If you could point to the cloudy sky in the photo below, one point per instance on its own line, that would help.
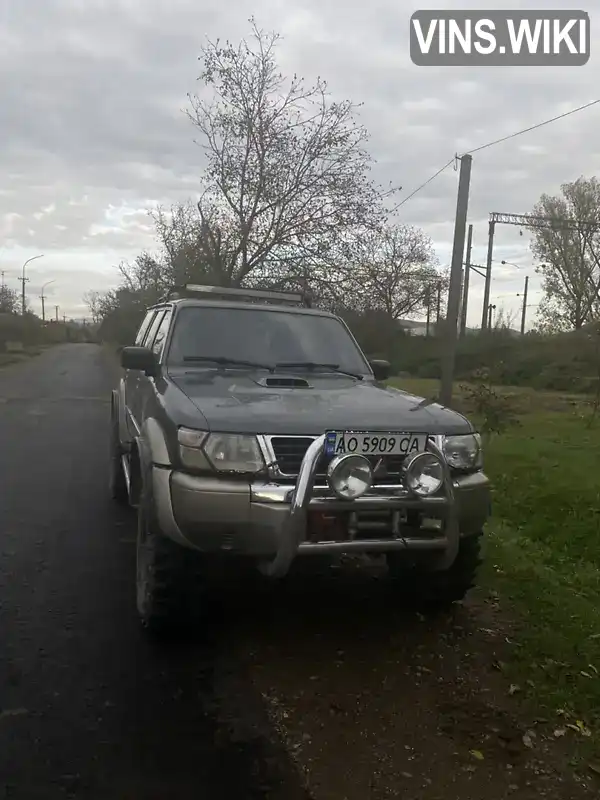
(93, 131)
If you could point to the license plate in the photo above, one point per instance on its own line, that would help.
(374, 444)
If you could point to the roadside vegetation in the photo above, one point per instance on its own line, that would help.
(24, 336)
(543, 549)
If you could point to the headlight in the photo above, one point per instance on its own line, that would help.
(424, 474)
(349, 476)
(464, 451)
(224, 452)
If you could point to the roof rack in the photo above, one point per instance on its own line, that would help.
(195, 289)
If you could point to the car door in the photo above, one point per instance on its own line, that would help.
(147, 385)
(136, 379)
(131, 376)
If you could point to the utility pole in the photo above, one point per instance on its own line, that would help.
(439, 307)
(488, 273)
(524, 312)
(465, 297)
(458, 250)
(24, 280)
(428, 323)
(491, 308)
(56, 310)
(43, 299)
(64, 319)
(3, 273)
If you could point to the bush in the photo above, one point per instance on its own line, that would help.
(564, 362)
(16, 328)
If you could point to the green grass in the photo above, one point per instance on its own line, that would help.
(543, 550)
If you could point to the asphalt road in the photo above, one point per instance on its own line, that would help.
(89, 708)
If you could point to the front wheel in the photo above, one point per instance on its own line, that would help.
(169, 582)
(432, 590)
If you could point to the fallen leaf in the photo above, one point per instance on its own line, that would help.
(582, 728)
(579, 727)
(477, 754)
(514, 688)
(528, 739)
(585, 674)
(559, 732)
(595, 768)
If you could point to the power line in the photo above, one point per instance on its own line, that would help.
(496, 141)
(534, 127)
(428, 181)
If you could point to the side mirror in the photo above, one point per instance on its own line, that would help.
(139, 358)
(381, 369)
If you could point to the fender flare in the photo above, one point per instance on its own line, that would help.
(149, 449)
(153, 436)
(147, 469)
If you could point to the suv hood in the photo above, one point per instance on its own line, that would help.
(236, 403)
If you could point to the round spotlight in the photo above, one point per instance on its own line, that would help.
(424, 474)
(349, 476)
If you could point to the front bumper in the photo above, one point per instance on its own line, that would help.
(269, 521)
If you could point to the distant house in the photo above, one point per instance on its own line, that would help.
(415, 328)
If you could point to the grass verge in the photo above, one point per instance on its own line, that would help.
(543, 551)
(6, 359)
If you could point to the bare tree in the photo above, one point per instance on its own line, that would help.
(287, 170)
(570, 252)
(505, 320)
(393, 269)
(146, 277)
(183, 238)
(94, 302)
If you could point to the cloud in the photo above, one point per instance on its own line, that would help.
(93, 129)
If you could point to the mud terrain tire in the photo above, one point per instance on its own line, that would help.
(437, 591)
(169, 578)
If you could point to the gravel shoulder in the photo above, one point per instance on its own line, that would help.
(378, 702)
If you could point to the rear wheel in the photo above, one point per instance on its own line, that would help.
(117, 482)
(437, 591)
(169, 580)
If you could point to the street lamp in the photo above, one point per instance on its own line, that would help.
(24, 280)
(43, 298)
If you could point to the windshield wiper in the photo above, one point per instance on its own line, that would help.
(315, 365)
(223, 361)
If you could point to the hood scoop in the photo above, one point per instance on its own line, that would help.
(283, 382)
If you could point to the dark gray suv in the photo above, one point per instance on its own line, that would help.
(250, 426)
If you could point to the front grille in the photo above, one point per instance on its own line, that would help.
(289, 452)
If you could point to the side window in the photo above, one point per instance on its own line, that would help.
(161, 333)
(154, 327)
(144, 327)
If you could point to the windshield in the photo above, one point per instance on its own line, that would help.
(268, 337)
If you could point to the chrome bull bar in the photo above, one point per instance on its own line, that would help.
(296, 524)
